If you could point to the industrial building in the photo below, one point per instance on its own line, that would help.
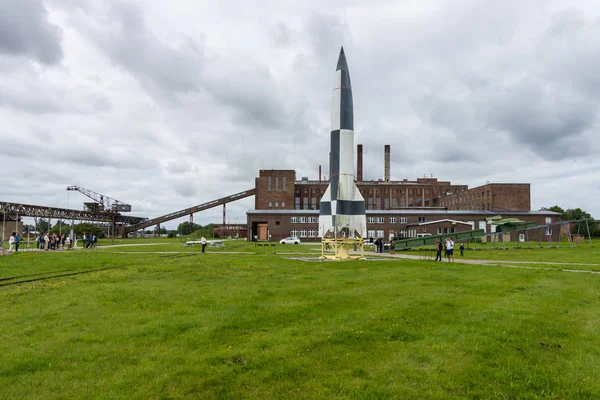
(286, 206)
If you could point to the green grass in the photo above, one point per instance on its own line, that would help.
(563, 254)
(188, 325)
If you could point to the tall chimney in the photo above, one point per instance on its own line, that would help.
(386, 158)
(359, 163)
(319, 174)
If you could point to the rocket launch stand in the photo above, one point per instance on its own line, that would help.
(341, 248)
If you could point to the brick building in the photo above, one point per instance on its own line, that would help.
(407, 223)
(230, 230)
(491, 196)
(285, 206)
(279, 190)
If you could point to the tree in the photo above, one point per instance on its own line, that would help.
(577, 214)
(554, 208)
(85, 228)
(184, 228)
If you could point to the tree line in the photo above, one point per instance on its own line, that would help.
(579, 215)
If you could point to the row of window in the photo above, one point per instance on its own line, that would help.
(304, 220)
(370, 220)
(391, 220)
(302, 233)
(269, 183)
(410, 233)
(276, 204)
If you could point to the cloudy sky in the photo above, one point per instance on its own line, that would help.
(168, 104)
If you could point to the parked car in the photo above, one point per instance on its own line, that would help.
(290, 240)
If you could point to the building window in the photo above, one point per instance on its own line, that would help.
(421, 219)
(269, 184)
(378, 203)
(371, 233)
(276, 222)
(402, 220)
(312, 234)
(277, 184)
(439, 231)
(297, 203)
(370, 203)
(548, 220)
(302, 220)
(314, 203)
(392, 220)
(380, 220)
(302, 233)
(294, 233)
(270, 204)
(394, 202)
(276, 204)
(305, 203)
(294, 220)
(283, 186)
(371, 220)
(283, 204)
(380, 233)
(386, 204)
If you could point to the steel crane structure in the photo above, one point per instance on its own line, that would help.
(101, 202)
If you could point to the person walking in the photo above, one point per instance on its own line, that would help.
(203, 242)
(438, 250)
(462, 249)
(450, 249)
(11, 242)
(17, 242)
(393, 245)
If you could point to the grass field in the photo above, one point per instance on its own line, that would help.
(142, 325)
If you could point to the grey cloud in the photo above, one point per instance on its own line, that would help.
(39, 98)
(162, 69)
(326, 32)
(175, 167)
(184, 188)
(541, 115)
(26, 31)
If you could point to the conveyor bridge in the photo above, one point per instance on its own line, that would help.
(187, 211)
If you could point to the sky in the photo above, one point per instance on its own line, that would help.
(168, 104)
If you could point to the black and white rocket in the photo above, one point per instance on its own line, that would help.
(342, 211)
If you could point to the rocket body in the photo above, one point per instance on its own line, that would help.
(342, 210)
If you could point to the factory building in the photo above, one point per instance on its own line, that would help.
(286, 206)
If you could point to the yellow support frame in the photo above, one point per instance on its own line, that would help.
(341, 247)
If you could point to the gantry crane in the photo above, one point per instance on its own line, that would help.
(101, 202)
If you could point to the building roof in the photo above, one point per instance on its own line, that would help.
(437, 222)
(420, 211)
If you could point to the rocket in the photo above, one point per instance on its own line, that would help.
(342, 210)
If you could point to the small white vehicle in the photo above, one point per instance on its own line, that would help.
(290, 240)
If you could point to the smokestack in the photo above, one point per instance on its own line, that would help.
(386, 159)
(319, 174)
(359, 163)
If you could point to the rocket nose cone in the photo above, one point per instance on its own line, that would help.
(342, 64)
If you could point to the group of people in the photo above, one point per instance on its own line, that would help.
(52, 241)
(380, 244)
(14, 241)
(448, 248)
